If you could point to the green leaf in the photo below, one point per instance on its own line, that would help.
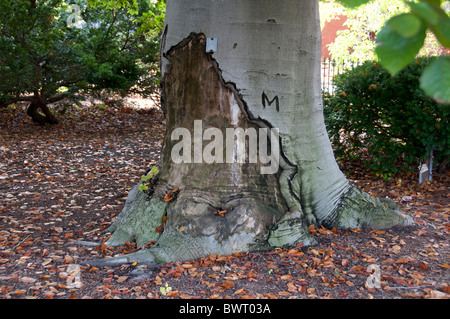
(435, 80)
(425, 11)
(435, 2)
(437, 19)
(442, 31)
(407, 25)
(150, 174)
(154, 170)
(395, 50)
(353, 3)
(143, 187)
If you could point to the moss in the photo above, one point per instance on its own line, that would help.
(138, 220)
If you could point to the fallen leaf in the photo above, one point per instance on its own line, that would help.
(122, 279)
(173, 294)
(412, 295)
(436, 294)
(402, 260)
(239, 291)
(220, 213)
(168, 197)
(291, 287)
(228, 284)
(423, 266)
(27, 280)
(284, 293)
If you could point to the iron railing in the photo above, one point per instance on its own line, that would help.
(330, 69)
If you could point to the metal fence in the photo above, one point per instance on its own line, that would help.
(330, 69)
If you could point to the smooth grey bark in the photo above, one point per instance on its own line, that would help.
(265, 73)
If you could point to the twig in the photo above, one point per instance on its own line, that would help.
(414, 287)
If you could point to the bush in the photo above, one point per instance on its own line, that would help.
(43, 60)
(389, 118)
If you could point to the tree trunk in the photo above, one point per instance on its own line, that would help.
(46, 117)
(264, 75)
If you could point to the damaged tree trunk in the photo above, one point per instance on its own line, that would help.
(261, 86)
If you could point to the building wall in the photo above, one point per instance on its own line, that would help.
(329, 33)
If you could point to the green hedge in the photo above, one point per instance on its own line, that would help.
(388, 118)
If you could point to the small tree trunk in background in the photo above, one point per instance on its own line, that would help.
(265, 74)
(36, 105)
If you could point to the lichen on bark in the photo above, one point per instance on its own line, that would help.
(138, 220)
(357, 209)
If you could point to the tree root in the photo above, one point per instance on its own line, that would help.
(138, 220)
(290, 231)
(356, 210)
(145, 257)
(360, 210)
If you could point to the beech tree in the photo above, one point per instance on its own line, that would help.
(235, 68)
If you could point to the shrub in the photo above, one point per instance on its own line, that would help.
(43, 60)
(386, 117)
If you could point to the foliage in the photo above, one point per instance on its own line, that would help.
(144, 178)
(356, 42)
(388, 117)
(403, 36)
(44, 57)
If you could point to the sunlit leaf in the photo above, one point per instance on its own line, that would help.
(406, 25)
(435, 80)
(394, 49)
(353, 3)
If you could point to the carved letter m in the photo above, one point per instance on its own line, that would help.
(265, 101)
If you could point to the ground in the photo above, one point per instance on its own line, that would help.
(60, 186)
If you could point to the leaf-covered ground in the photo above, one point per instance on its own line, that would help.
(62, 185)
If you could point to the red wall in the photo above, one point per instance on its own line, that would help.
(329, 33)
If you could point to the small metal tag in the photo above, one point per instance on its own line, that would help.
(211, 45)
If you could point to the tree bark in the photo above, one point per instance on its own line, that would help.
(37, 104)
(265, 74)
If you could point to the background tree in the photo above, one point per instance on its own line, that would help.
(44, 58)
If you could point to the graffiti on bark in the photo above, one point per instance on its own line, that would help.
(267, 102)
